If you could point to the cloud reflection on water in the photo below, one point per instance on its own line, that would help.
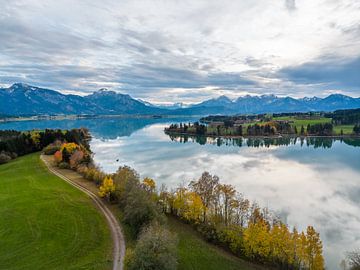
(304, 185)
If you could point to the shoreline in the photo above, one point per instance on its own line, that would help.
(280, 136)
(77, 117)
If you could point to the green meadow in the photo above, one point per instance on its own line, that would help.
(46, 223)
(194, 253)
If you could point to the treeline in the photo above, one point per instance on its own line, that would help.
(345, 117)
(223, 216)
(300, 114)
(15, 143)
(270, 129)
(267, 129)
(225, 129)
(357, 129)
(234, 118)
(339, 117)
(321, 129)
(191, 128)
(217, 211)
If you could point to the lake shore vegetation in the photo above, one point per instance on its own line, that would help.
(217, 211)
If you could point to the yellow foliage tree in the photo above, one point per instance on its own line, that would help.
(149, 184)
(70, 147)
(194, 207)
(179, 202)
(313, 250)
(282, 249)
(35, 136)
(107, 187)
(257, 240)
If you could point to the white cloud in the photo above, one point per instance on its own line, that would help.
(151, 47)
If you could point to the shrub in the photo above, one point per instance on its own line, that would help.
(208, 231)
(4, 158)
(129, 257)
(98, 176)
(12, 155)
(64, 165)
(52, 148)
(76, 158)
(82, 169)
(155, 249)
(232, 238)
(58, 157)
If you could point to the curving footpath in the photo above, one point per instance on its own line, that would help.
(117, 235)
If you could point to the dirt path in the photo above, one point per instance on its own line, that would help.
(117, 235)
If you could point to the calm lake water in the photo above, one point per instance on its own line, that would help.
(311, 182)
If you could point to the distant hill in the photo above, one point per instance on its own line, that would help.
(274, 104)
(22, 99)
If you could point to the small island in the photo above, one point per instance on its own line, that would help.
(342, 123)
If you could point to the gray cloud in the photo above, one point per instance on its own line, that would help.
(336, 73)
(178, 51)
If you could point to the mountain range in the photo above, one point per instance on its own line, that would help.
(22, 99)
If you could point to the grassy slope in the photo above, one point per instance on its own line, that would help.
(47, 224)
(196, 253)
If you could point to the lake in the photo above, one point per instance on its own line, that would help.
(306, 182)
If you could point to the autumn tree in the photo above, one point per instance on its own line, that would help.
(180, 200)
(257, 241)
(205, 188)
(107, 188)
(282, 249)
(148, 185)
(313, 250)
(76, 158)
(58, 157)
(194, 207)
(228, 193)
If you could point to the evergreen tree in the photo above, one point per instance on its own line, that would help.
(302, 131)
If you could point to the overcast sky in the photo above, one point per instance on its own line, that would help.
(170, 51)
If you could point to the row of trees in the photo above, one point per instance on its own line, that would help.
(225, 217)
(15, 143)
(221, 214)
(345, 117)
(270, 128)
(320, 129)
(227, 128)
(356, 129)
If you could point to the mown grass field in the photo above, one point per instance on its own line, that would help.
(196, 254)
(46, 223)
(347, 129)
